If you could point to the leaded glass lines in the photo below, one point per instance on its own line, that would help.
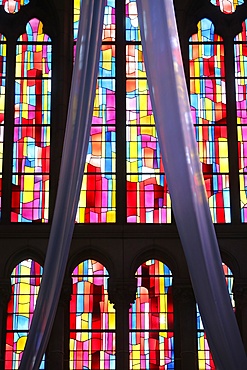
(208, 107)
(151, 319)
(92, 319)
(31, 146)
(25, 282)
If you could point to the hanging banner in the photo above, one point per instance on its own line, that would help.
(175, 129)
(76, 141)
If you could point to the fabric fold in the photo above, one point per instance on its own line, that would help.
(169, 97)
(76, 141)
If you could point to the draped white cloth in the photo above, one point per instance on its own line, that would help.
(72, 166)
(174, 125)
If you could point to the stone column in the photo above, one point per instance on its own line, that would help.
(5, 292)
(240, 298)
(185, 332)
(56, 355)
(122, 293)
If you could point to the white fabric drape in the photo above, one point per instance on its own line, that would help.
(174, 125)
(72, 166)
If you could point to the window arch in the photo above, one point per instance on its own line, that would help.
(25, 282)
(31, 144)
(205, 360)
(2, 105)
(208, 106)
(92, 319)
(151, 318)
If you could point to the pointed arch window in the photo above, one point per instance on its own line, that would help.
(12, 6)
(31, 144)
(2, 105)
(92, 319)
(240, 56)
(227, 6)
(25, 282)
(208, 106)
(205, 360)
(151, 319)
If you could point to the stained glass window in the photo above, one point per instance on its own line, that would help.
(2, 104)
(31, 147)
(25, 281)
(12, 6)
(208, 106)
(148, 199)
(97, 202)
(240, 52)
(92, 319)
(205, 360)
(227, 6)
(151, 319)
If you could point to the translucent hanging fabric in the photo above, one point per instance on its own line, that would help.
(73, 160)
(174, 125)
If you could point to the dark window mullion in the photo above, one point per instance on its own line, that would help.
(8, 131)
(232, 131)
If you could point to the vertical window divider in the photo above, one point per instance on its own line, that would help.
(120, 113)
(8, 129)
(232, 130)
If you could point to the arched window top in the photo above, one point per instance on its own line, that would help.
(205, 32)
(227, 6)
(34, 32)
(12, 6)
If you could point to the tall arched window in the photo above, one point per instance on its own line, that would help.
(92, 319)
(148, 199)
(31, 144)
(205, 360)
(240, 54)
(25, 281)
(208, 106)
(97, 203)
(2, 105)
(151, 319)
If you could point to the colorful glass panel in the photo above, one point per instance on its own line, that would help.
(12, 6)
(2, 106)
(131, 21)
(205, 360)
(92, 319)
(97, 203)
(240, 51)
(148, 199)
(208, 106)
(151, 319)
(31, 147)
(227, 6)
(25, 281)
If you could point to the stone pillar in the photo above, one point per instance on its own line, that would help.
(122, 293)
(240, 298)
(5, 292)
(56, 356)
(185, 332)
